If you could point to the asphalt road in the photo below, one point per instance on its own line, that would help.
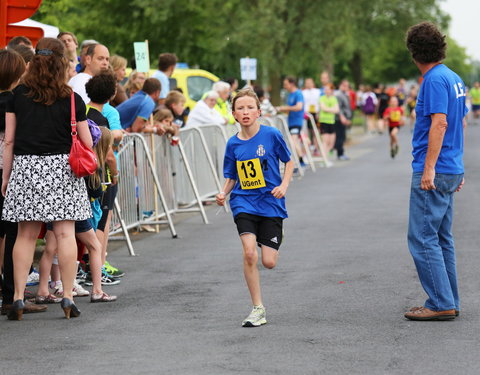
(335, 302)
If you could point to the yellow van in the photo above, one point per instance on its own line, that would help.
(193, 82)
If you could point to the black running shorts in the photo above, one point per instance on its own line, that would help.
(269, 230)
(390, 128)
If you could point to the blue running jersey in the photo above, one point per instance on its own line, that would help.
(254, 164)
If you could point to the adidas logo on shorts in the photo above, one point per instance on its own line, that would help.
(274, 240)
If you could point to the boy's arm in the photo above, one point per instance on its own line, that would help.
(227, 188)
(281, 190)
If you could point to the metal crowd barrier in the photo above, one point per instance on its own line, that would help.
(280, 123)
(321, 147)
(159, 180)
(140, 195)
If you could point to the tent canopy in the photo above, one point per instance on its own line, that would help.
(48, 30)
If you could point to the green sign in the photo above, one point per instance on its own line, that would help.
(142, 59)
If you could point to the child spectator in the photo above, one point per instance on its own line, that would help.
(164, 118)
(102, 88)
(119, 64)
(134, 83)
(175, 102)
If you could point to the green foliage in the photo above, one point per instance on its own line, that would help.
(457, 59)
(359, 39)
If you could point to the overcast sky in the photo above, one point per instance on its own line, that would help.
(465, 24)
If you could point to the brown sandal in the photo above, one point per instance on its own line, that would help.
(42, 300)
(103, 297)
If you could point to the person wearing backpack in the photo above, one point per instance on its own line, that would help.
(369, 104)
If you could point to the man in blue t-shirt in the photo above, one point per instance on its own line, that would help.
(295, 109)
(135, 112)
(166, 67)
(437, 173)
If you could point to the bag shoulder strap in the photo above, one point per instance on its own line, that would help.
(73, 119)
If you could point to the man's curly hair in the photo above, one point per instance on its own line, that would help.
(426, 43)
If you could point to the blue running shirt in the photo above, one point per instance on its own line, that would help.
(295, 118)
(442, 91)
(254, 164)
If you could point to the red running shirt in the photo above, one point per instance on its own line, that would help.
(393, 115)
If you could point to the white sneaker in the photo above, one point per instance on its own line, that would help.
(256, 318)
(57, 288)
(33, 278)
(79, 291)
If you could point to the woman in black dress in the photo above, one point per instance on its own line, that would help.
(38, 183)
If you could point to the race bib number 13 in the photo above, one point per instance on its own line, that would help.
(250, 174)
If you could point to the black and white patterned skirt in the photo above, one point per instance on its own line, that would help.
(44, 188)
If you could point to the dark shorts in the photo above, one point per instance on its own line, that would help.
(81, 226)
(475, 107)
(327, 128)
(269, 230)
(109, 196)
(295, 129)
(390, 128)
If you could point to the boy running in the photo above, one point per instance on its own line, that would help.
(252, 173)
(394, 116)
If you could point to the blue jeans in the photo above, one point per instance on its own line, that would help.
(430, 240)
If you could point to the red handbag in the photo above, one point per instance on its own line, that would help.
(82, 159)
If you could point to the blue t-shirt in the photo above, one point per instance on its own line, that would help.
(295, 118)
(264, 150)
(112, 116)
(139, 105)
(165, 88)
(442, 91)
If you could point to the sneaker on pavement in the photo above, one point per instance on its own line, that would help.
(108, 279)
(113, 271)
(88, 280)
(80, 290)
(33, 278)
(256, 318)
(81, 276)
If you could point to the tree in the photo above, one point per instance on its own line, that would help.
(362, 40)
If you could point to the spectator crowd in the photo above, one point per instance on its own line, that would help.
(41, 198)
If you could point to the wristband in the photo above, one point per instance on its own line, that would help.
(115, 176)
